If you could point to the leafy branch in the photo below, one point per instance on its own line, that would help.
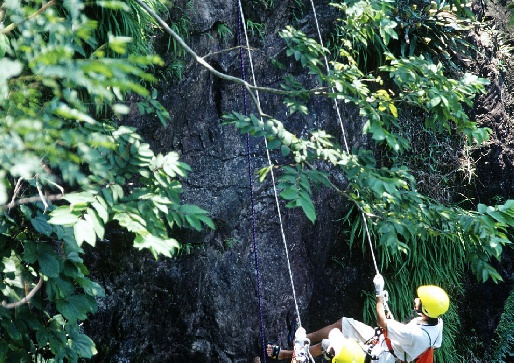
(66, 175)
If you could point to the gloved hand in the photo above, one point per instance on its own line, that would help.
(378, 281)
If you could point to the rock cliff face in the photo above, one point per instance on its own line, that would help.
(209, 305)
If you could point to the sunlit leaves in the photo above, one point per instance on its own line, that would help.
(73, 170)
(399, 215)
(157, 246)
(64, 216)
(304, 49)
(295, 186)
(425, 84)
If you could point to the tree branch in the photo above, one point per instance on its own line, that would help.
(202, 61)
(12, 26)
(30, 200)
(26, 299)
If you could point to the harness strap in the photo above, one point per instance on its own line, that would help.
(388, 343)
(373, 341)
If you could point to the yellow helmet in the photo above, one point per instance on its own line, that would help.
(349, 352)
(434, 300)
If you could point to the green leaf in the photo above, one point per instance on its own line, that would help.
(193, 222)
(308, 208)
(274, 144)
(101, 209)
(41, 225)
(79, 198)
(58, 288)
(82, 345)
(30, 251)
(92, 218)
(84, 232)
(263, 172)
(64, 216)
(76, 307)
(48, 260)
(157, 246)
(53, 335)
(290, 193)
(92, 288)
(207, 220)
(10, 329)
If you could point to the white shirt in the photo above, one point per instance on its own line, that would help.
(410, 340)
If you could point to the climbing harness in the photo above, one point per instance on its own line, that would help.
(373, 345)
(374, 348)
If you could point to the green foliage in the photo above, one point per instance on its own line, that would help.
(295, 184)
(224, 32)
(181, 25)
(266, 3)
(420, 240)
(231, 242)
(504, 333)
(67, 176)
(398, 213)
(405, 28)
(126, 19)
(304, 49)
(255, 28)
(435, 29)
(364, 32)
(152, 105)
(425, 85)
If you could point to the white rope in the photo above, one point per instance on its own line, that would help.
(270, 164)
(340, 119)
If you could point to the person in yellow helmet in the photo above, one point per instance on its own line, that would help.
(391, 341)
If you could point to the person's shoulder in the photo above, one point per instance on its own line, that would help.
(395, 324)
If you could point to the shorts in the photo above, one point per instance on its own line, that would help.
(362, 333)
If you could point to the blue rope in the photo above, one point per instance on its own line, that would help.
(250, 173)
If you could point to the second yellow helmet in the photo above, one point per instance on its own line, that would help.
(346, 350)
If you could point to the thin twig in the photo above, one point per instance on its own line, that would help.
(26, 299)
(40, 192)
(31, 200)
(15, 193)
(12, 26)
(208, 55)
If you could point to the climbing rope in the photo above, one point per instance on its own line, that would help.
(242, 24)
(340, 120)
(270, 164)
(252, 197)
